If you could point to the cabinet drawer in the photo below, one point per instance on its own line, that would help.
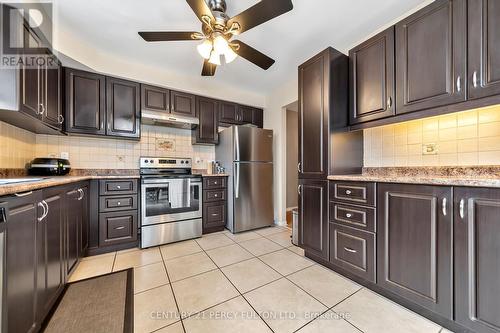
(113, 187)
(214, 215)
(214, 195)
(117, 203)
(214, 182)
(358, 217)
(356, 193)
(353, 250)
(117, 228)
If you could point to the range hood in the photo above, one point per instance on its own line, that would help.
(168, 120)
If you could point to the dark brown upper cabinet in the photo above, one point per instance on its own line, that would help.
(206, 111)
(372, 78)
(245, 114)
(182, 104)
(477, 268)
(229, 113)
(258, 117)
(123, 108)
(431, 56)
(484, 48)
(414, 254)
(53, 98)
(85, 102)
(155, 98)
(313, 217)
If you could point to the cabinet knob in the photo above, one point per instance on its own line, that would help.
(119, 203)
(348, 215)
(215, 183)
(216, 195)
(118, 187)
(348, 192)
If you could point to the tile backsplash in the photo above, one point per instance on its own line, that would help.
(17, 147)
(465, 138)
(108, 153)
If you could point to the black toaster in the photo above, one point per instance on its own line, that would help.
(47, 166)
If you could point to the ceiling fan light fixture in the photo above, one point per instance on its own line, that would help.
(230, 55)
(205, 48)
(221, 46)
(214, 58)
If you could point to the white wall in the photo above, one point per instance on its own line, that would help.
(275, 119)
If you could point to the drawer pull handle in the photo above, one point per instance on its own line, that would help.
(348, 249)
(215, 214)
(348, 215)
(119, 228)
(348, 192)
(216, 195)
(444, 205)
(215, 183)
(119, 203)
(462, 209)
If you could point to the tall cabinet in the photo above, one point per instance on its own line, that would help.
(323, 117)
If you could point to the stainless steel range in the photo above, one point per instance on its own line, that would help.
(171, 201)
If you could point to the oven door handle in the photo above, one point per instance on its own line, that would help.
(167, 181)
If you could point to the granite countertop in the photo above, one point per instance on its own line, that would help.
(455, 176)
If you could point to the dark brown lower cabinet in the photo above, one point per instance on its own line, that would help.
(214, 204)
(117, 228)
(71, 230)
(477, 264)
(313, 217)
(414, 254)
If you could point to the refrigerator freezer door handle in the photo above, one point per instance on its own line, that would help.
(237, 142)
(237, 184)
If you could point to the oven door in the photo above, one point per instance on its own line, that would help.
(169, 200)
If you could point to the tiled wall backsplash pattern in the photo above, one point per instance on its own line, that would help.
(465, 138)
(17, 147)
(97, 153)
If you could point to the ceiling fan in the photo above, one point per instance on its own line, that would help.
(218, 29)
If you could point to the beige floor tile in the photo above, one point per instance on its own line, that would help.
(173, 328)
(297, 250)
(183, 267)
(286, 262)
(154, 309)
(214, 241)
(235, 316)
(149, 277)
(180, 249)
(94, 267)
(329, 322)
(444, 330)
(373, 313)
(269, 230)
(282, 238)
(250, 274)
(202, 291)
(243, 236)
(99, 256)
(326, 286)
(260, 246)
(286, 306)
(136, 258)
(227, 255)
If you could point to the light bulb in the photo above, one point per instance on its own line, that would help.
(220, 45)
(214, 58)
(205, 49)
(230, 55)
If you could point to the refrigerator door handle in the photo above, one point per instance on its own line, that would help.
(237, 142)
(237, 184)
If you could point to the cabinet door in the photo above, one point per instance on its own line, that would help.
(123, 108)
(228, 113)
(85, 102)
(182, 104)
(245, 114)
(52, 95)
(30, 79)
(313, 117)
(477, 268)
(372, 78)
(20, 265)
(431, 51)
(206, 111)
(50, 262)
(155, 98)
(313, 217)
(72, 233)
(258, 117)
(484, 48)
(415, 244)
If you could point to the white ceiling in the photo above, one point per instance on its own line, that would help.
(111, 26)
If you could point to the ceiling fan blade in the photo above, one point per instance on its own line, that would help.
(261, 12)
(252, 55)
(165, 36)
(200, 8)
(208, 69)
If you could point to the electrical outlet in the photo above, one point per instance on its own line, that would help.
(65, 155)
(429, 149)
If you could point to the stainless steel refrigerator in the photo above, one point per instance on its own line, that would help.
(247, 155)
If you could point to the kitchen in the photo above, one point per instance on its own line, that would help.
(398, 172)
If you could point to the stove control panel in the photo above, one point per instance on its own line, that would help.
(165, 163)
